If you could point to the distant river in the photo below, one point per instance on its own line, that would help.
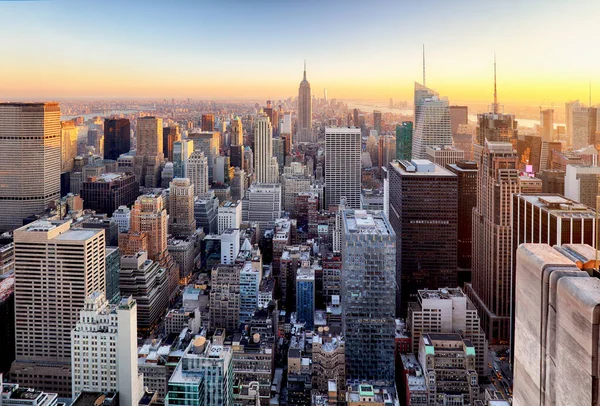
(100, 114)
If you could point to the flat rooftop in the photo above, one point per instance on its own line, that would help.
(366, 222)
(436, 169)
(558, 205)
(443, 293)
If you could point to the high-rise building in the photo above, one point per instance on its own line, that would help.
(237, 132)
(182, 150)
(105, 193)
(432, 121)
(497, 127)
(404, 134)
(68, 144)
(52, 261)
(305, 297)
(555, 341)
(377, 121)
(466, 172)
(117, 137)
(342, 166)
(95, 139)
(170, 136)
(265, 167)
(569, 108)
(208, 143)
(30, 139)
(584, 127)
(459, 115)
(147, 283)
(368, 294)
(262, 204)
(547, 125)
(149, 152)
(208, 122)
(304, 131)
(423, 212)
(149, 216)
(582, 184)
(498, 180)
(104, 349)
(230, 246)
(197, 171)
(203, 376)
(448, 362)
(181, 208)
(447, 310)
(229, 215)
(225, 297)
(386, 152)
(123, 217)
(445, 155)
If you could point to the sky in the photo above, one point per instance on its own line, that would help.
(547, 50)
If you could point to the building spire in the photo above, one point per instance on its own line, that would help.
(424, 83)
(305, 69)
(495, 107)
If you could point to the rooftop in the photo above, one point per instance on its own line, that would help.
(558, 205)
(366, 222)
(419, 167)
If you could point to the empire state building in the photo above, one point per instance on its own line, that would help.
(304, 132)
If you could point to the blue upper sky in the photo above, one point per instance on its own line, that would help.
(256, 48)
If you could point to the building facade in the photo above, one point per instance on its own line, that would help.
(342, 166)
(30, 181)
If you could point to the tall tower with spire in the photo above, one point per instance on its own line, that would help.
(496, 126)
(304, 132)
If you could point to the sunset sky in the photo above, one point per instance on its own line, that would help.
(547, 50)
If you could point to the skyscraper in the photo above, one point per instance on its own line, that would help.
(304, 131)
(423, 212)
(569, 108)
(68, 144)
(208, 122)
(197, 172)
(104, 354)
(404, 135)
(432, 121)
(368, 294)
(149, 216)
(305, 296)
(181, 208)
(207, 142)
(547, 125)
(556, 340)
(498, 180)
(117, 137)
(237, 132)
(377, 121)
(30, 161)
(149, 152)
(56, 268)
(181, 155)
(584, 123)
(170, 136)
(459, 115)
(225, 297)
(342, 166)
(265, 165)
(466, 172)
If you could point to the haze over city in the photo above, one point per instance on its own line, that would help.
(240, 50)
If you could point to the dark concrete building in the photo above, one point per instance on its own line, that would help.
(553, 181)
(107, 192)
(466, 172)
(424, 213)
(117, 137)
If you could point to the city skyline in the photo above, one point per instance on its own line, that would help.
(199, 57)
